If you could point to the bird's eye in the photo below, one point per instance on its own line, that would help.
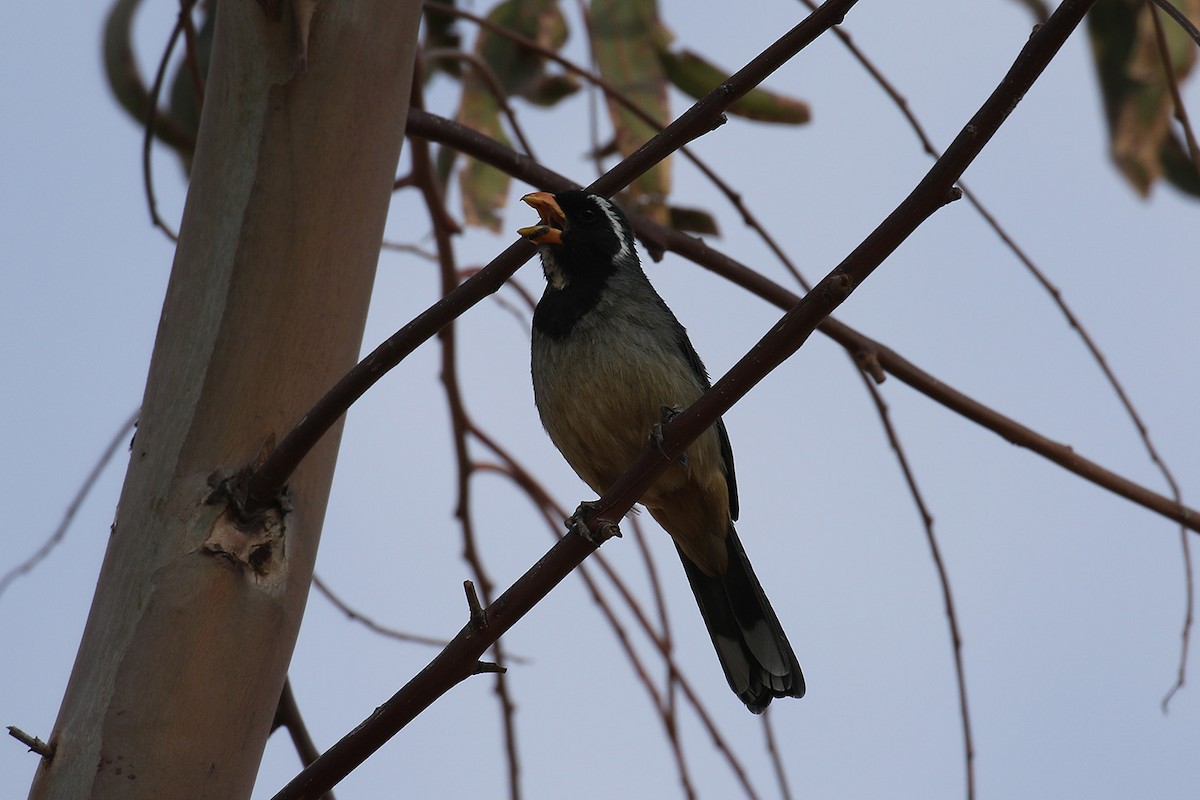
(587, 215)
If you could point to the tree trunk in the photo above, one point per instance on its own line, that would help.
(195, 615)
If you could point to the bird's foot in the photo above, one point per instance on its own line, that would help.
(577, 523)
(667, 413)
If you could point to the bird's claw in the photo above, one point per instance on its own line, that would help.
(578, 524)
(667, 413)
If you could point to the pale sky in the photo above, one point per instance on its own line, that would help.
(1070, 599)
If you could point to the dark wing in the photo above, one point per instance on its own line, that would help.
(693, 360)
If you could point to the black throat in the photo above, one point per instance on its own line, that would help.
(560, 309)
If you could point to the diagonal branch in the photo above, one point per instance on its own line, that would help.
(264, 483)
(1059, 300)
(451, 133)
(287, 715)
(426, 181)
(455, 663)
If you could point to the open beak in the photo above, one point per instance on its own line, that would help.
(550, 229)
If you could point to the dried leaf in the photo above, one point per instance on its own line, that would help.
(1137, 98)
(626, 39)
(517, 67)
(549, 89)
(484, 188)
(441, 33)
(516, 70)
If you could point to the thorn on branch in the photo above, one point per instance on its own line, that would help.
(34, 744)
(482, 667)
(868, 362)
(478, 618)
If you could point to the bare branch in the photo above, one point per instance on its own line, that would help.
(935, 552)
(489, 79)
(34, 744)
(449, 132)
(665, 705)
(69, 516)
(287, 715)
(265, 482)
(1185, 545)
(1180, 18)
(455, 663)
(182, 24)
(785, 790)
(425, 178)
(368, 622)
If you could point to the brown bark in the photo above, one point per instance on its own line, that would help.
(194, 619)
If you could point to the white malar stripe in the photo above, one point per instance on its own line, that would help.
(618, 225)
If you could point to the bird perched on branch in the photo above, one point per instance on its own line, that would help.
(609, 360)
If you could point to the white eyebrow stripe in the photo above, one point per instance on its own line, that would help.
(617, 223)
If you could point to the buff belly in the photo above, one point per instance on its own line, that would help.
(599, 404)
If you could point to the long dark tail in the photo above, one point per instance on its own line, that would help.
(751, 645)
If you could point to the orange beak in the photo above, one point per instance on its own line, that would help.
(550, 230)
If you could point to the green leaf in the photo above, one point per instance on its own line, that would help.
(693, 220)
(696, 77)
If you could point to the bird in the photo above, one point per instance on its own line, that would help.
(610, 362)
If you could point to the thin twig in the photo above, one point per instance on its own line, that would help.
(668, 706)
(456, 661)
(152, 118)
(449, 132)
(265, 482)
(1056, 294)
(287, 715)
(1181, 19)
(614, 94)
(34, 744)
(1051, 289)
(1180, 109)
(426, 180)
(410, 249)
(73, 507)
(785, 791)
(493, 84)
(367, 622)
(552, 513)
(943, 574)
(1184, 541)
